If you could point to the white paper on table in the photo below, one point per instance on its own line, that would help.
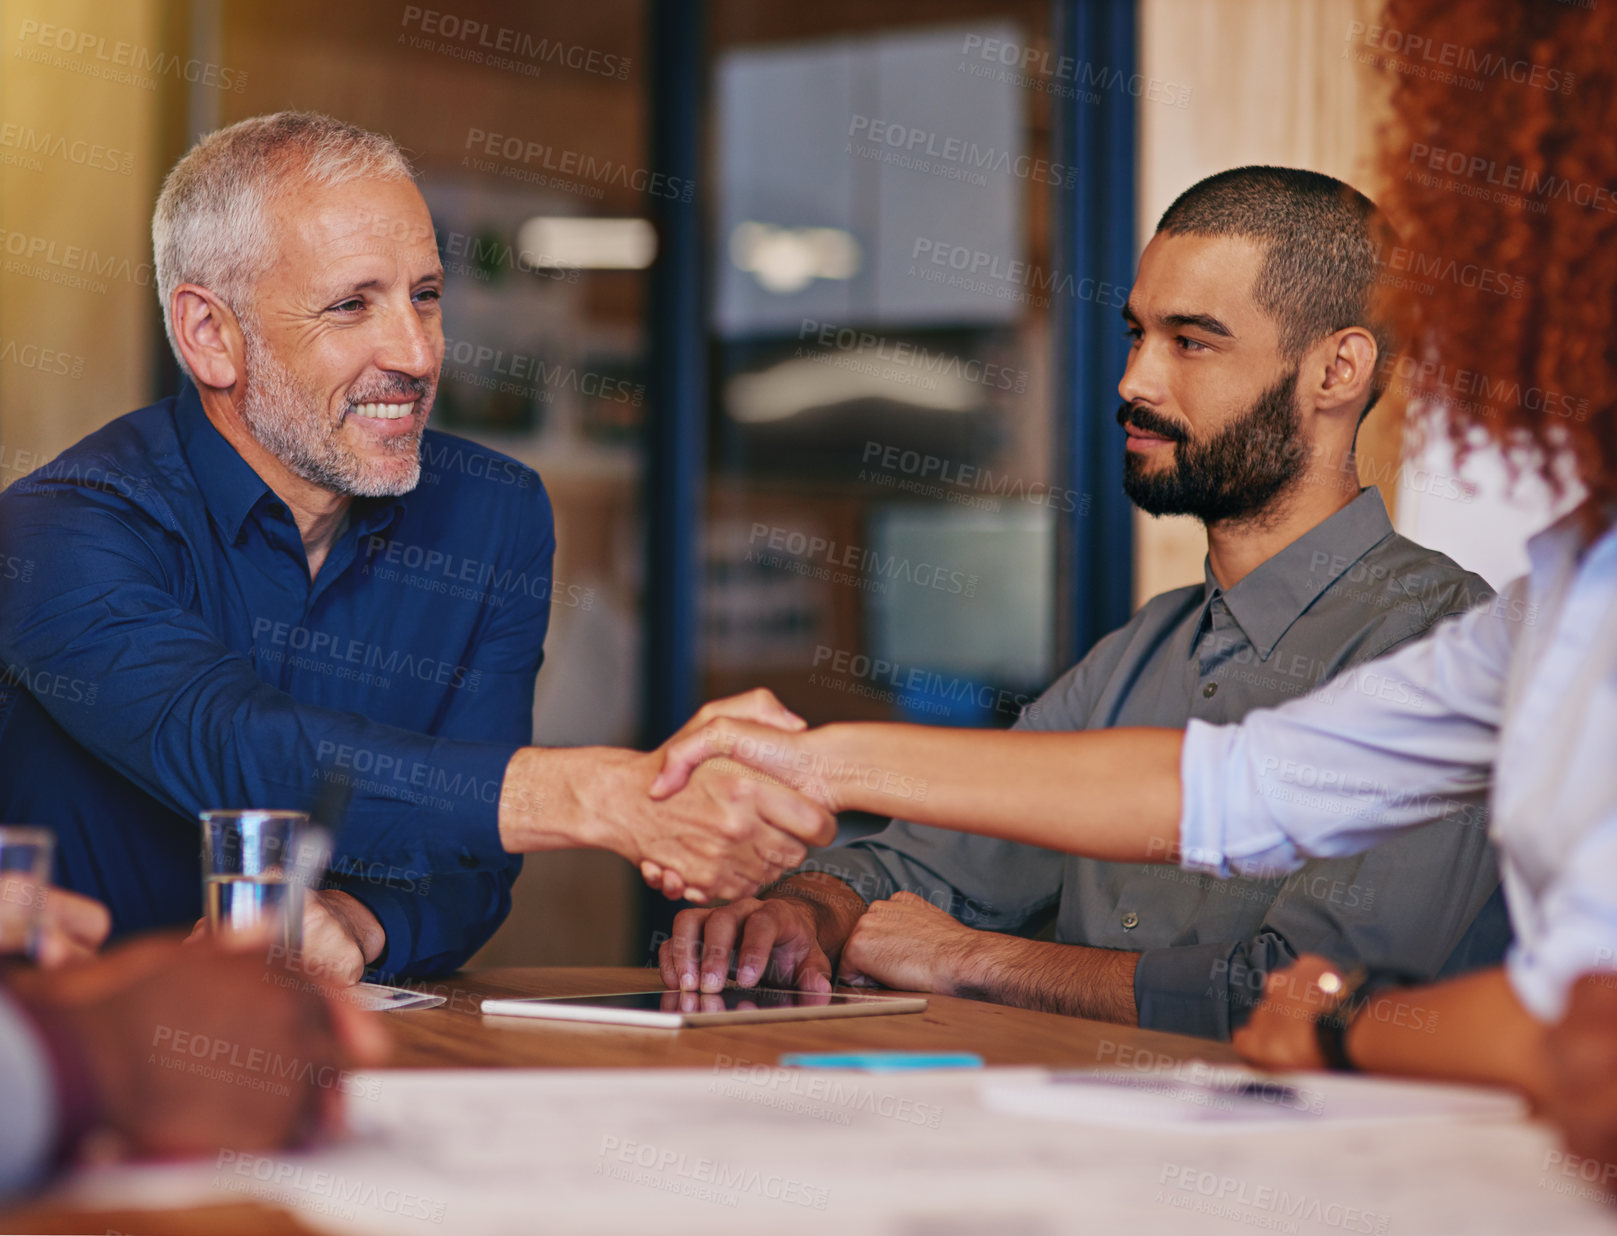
(1197, 1096)
(380, 998)
(748, 1147)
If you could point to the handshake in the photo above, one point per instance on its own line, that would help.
(718, 811)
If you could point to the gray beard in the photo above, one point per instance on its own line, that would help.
(286, 420)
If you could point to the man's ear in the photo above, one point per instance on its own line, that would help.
(1343, 370)
(209, 336)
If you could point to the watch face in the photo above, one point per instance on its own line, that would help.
(1347, 994)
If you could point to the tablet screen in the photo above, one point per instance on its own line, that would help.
(729, 1000)
(692, 1008)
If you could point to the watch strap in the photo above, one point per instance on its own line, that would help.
(1331, 1026)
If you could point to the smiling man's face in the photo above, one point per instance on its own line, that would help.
(345, 337)
(1210, 404)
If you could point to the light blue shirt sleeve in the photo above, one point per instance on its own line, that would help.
(27, 1097)
(1575, 927)
(1518, 696)
(1387, 746)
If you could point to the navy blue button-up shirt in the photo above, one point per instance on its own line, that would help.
(163, 651)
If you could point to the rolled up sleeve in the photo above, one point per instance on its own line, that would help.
(1576, 927)
(1385, 747)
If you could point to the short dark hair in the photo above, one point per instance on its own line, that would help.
(1321, 243)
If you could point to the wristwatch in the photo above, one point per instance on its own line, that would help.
(1351, 992)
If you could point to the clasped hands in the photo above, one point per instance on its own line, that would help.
(726, 828)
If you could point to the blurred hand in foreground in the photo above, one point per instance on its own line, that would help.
(189, 1049)
(1582, 1051)
(1280, 1033)
(72, 928)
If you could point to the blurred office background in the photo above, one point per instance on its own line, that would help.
(806, 314)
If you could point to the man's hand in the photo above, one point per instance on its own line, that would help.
(139, 1014)
(72, 928)
(728, 833)
(778, 945)
(340, 938)
(1582, 1065)
(908, 944)
(725, 835)
(1280, 1033)
(759, 708)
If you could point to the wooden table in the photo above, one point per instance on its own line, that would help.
(457, 1034)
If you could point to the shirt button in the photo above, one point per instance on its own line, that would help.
(1210, 690)
(468, 860)
(1131, 920)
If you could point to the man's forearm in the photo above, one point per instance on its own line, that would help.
(1052, 978)
(1109, 794)
(547, 799)
(833, 903)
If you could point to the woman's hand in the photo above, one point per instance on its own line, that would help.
(1280, 1033)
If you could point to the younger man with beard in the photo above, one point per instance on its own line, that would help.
(1256, 341)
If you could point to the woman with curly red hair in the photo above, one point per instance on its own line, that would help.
(1517, 177)
(1500, 158)
(1550, 170)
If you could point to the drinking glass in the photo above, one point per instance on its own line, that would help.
(255, 868)
(25, 873)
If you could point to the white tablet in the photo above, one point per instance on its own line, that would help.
(732, 1006)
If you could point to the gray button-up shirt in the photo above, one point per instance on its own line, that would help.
(1347, 591)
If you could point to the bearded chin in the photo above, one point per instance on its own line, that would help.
(340, 470)
(287, 421)
(1234, 474)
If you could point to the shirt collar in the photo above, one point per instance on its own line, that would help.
(1567, 538)
(231, 489)
(1277, 592)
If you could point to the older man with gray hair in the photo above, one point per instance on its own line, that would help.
(280, 580)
